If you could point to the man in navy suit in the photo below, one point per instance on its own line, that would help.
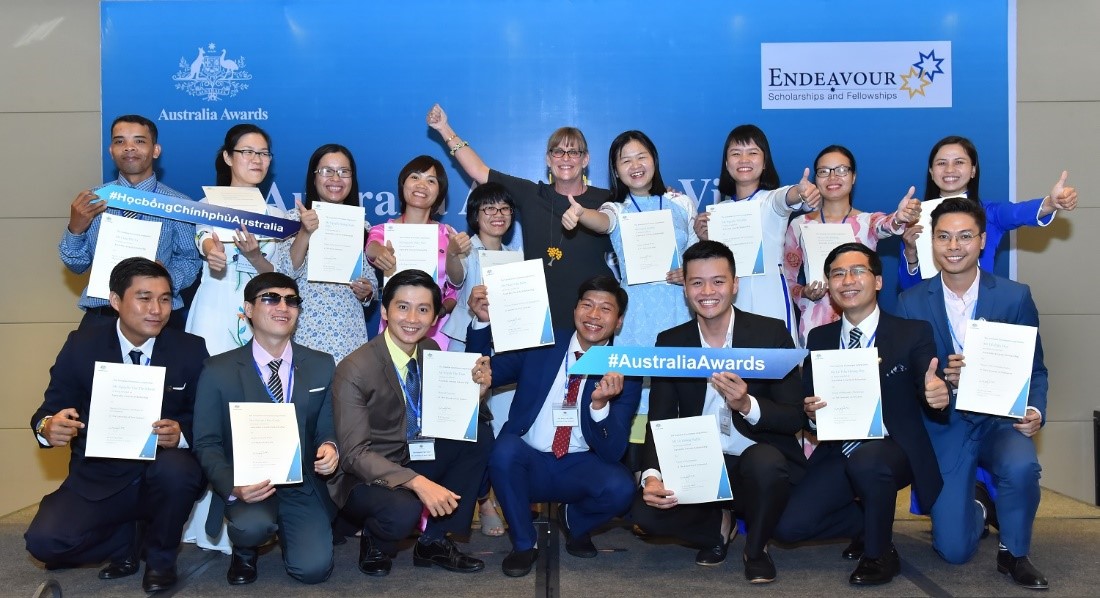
(565, 435)
(873, 470)
(93, 516)
(1001, 445)
(271, 368)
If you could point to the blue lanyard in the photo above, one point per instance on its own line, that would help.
(842, 221)
(661, 205)
(413, 402)
(289, 383)
(870, 340)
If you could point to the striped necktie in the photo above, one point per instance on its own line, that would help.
(412, 407)
(853, 343)
(274, 384)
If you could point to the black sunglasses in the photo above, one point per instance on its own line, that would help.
(272, 298)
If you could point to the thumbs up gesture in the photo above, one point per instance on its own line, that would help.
(572, 216)
(458, 244)
(387, 260)
(935, 389)
(808, 192)
(215, 256)
(308, 218)
(908, 209)
(1063, 197)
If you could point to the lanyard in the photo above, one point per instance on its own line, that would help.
(842, 221)
(413, 402)
(661, 205)
(289, 383)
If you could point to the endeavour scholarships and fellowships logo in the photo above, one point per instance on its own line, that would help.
(212, 76)
(855, 75)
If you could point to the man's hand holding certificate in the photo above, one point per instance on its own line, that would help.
(692, 463)
(119, 238)
(451, 395)
(847, 384)
(265, 443)
(126, 402)
(996, 378)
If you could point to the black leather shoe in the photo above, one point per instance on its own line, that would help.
(242, 568)
(578, 546)
(989, 509)
(372, 560)
(854, 550)
(1022, 571)
(760, 569)
(519, 562)
(124, 568)
(445, 554)
(715, 555)
(873, 572)
(156, 580)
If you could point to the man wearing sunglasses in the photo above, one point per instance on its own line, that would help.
(271, 368)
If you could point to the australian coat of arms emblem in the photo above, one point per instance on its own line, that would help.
(211, 75)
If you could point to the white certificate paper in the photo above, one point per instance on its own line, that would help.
(450, 396)
(265, 443)
(691, 459)
(126, 400)
(487, 258)
(997, 375)
(336, 247)
(928, 266)
(649, 245)
(415, 246)
(847, 379)
(818, 240)
(119, 238)
(246, 199)
(737, 224)
(519, 307)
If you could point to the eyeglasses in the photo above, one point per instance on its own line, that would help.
(250, 153)
(559, 153)
(841, 171)
(328, 173)
(842, 273)
(273, 299)
(963, 238)
(494, 210)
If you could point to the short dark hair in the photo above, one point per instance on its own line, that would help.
(487, 194)
(769, 178)
(873, 259)
(705, 250)
(606, 284)
(137, 119)
(311, 186)
(618, 188)
(413, 278)
(960, 205)
(931, 190)
(422, 164)
(122, 275)
(268, 280)
(232, 137)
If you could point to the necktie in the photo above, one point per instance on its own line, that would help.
(412, 401)
(274, 384)
(135, 357)
(560, 446)
(853, 343)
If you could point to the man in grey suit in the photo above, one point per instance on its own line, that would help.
(271, 368)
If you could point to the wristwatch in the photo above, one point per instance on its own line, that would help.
(41, 427)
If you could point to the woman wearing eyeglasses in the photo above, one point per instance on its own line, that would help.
(953, 171)
(334, 322)
(217, 314)
(569, 257)
(835, 175)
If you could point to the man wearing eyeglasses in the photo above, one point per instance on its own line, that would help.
(824, 504)
(133, 148)
(271, 368)
(1001, 445)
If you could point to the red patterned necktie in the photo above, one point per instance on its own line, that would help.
(560, 445)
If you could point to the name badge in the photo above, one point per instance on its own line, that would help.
(567, 416)
(422, 449)
(725, 420)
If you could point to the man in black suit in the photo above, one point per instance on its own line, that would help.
(758, 421)
(93, 516)
(873, 470)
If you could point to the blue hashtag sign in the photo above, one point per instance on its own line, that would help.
(688, 362)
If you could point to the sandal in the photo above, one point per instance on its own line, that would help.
(491, 522)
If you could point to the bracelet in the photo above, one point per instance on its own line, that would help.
(912, 263)
(451, 138)
(458, 147)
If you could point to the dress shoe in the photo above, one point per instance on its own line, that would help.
(760, 569)
(1022, 571)
(124, 568)
(372, 560)
(715, 555)
(873, 572)
(854, 550)
(156, 580)
(519, 562)
(242, 568)
(989, 509)
(578, 546)
(445, 554)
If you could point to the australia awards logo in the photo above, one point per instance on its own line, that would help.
(212, 75)
(922, 73)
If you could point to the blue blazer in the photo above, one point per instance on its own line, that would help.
(534, 370)
(180, 353)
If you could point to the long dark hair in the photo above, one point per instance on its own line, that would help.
(232, 137)
(769, 178)
(931, 189)
(311, 186)
(619, 189)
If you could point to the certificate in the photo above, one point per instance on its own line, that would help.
(928, 266)
(692, 463)
(450, 396)
(336, 247)
(649, 245)
(818, 239)
(518, 306)
(847, 379)
(487, 258)
(997, 375)
(265, 443)
(415, 246)
(246, 199)
(126, 400)
(737, 224)
(119, 238)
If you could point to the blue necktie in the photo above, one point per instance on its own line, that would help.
(412, 401)
(853, 343)
(135, 357)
